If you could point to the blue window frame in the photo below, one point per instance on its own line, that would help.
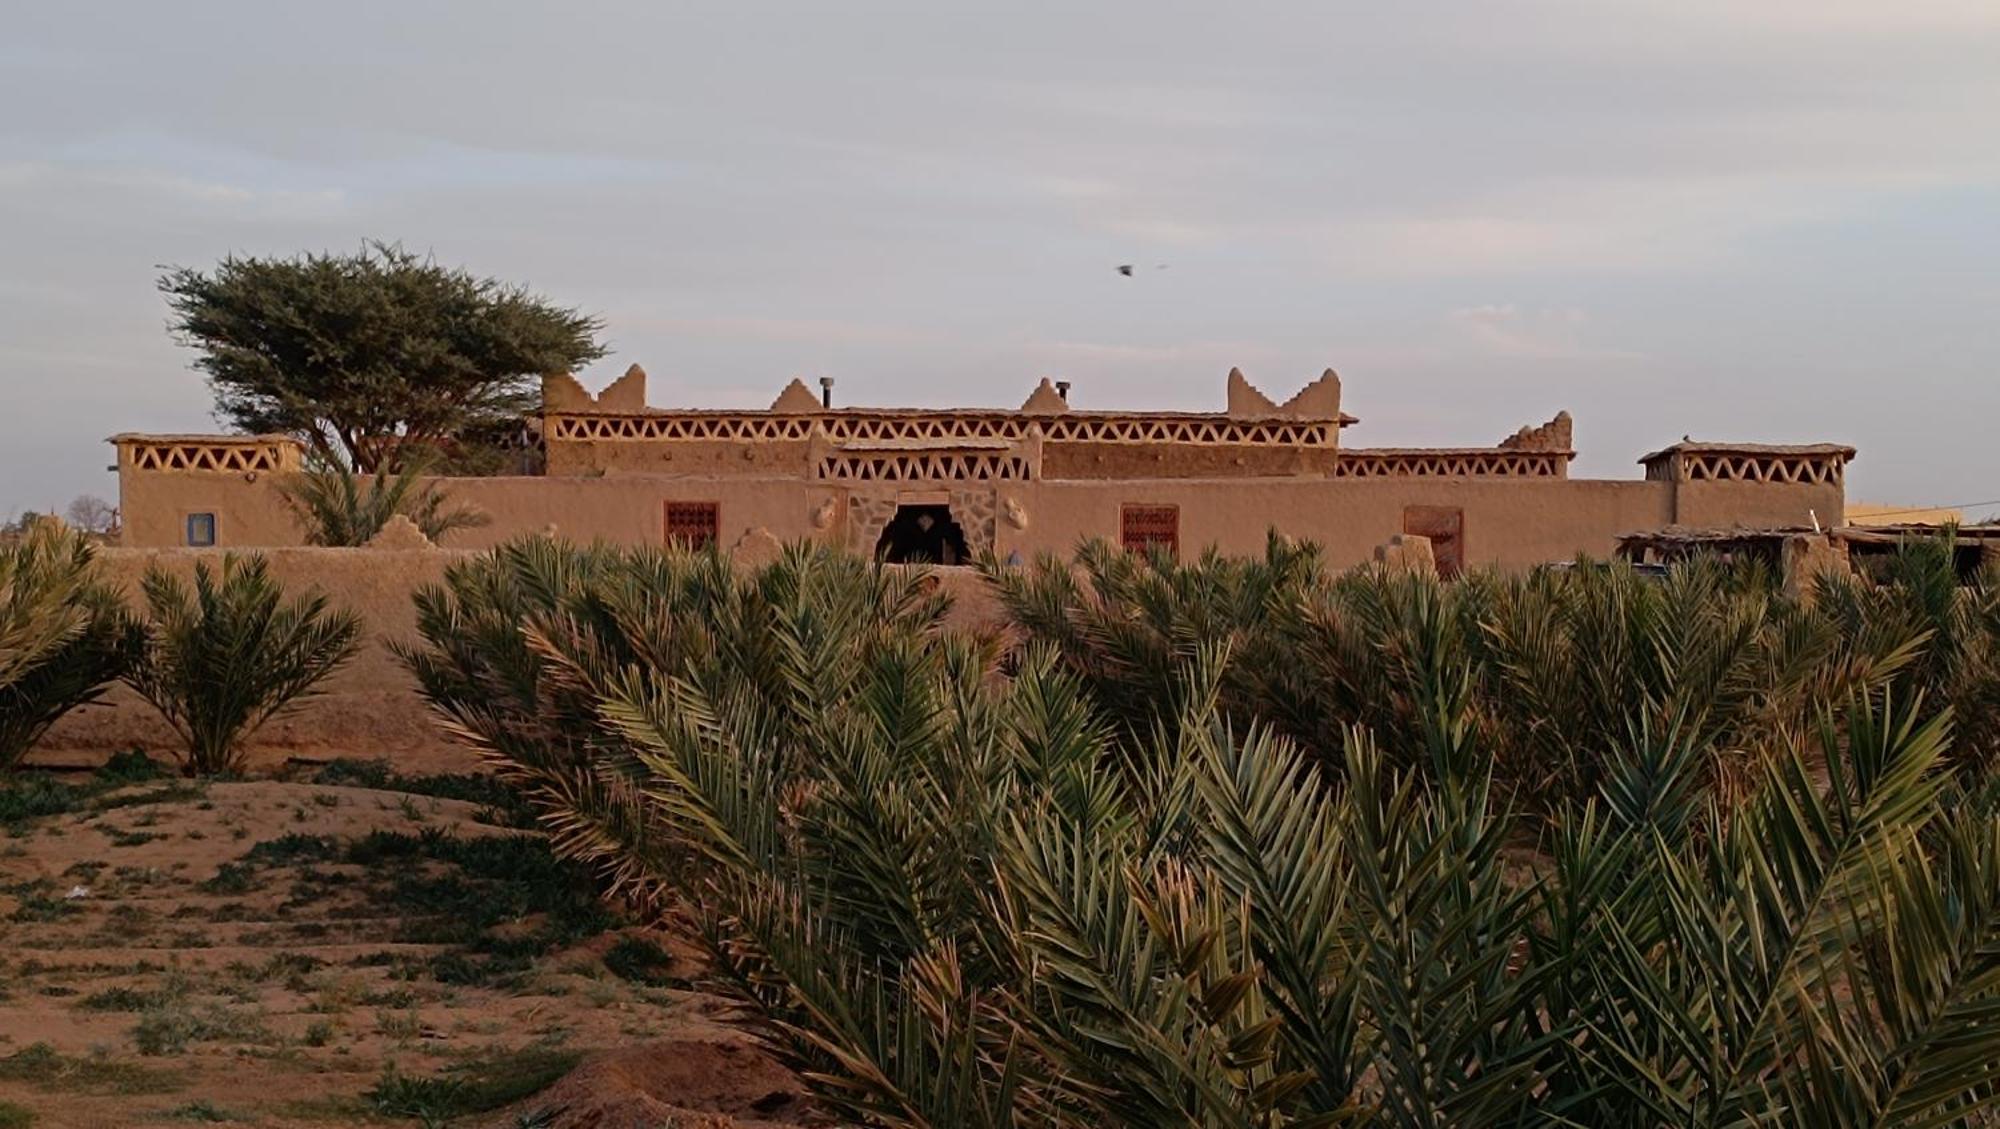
(200, 530)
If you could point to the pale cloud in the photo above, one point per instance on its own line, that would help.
(1181, 355)
(28, 178)
(821, 330)
(1551, 333)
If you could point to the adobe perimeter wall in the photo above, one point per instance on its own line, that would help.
(370, 708)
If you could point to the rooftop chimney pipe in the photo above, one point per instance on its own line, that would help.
(826, 392)
(1062, 389)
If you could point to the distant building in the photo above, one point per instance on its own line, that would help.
(944, 485)
(1874, 513)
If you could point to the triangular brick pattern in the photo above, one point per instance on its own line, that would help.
(923, 466)
(843, 427)
(1200, 431)
(1704, 466)
(219, 458)
(1364, 463)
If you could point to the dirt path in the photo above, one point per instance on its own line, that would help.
(298, 953)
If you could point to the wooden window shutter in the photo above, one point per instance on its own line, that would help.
(693, 525)
(1144, 528)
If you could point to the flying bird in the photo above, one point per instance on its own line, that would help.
(1126, 269)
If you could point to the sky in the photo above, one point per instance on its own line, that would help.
(1775, 221)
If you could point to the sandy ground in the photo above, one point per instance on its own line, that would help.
(158, 966)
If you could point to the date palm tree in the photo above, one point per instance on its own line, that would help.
(958, 880)
(229, 653)
(64, 634)
(335, 509)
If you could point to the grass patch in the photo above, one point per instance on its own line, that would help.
(338, 1108)
(119, 999)
(485, 883)
(200, 1110)
(29, 796)
(15, 1116)
(505, 806)
(38, 901)
(231, 878)
(471, 1087)
(640, 961)
(293, 848)
(44, 1068)
(171, 1026)
(164, 795)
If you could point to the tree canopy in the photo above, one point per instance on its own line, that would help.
(372, 355)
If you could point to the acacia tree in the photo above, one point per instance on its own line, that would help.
(369, 356)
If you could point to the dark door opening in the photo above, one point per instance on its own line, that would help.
(922, 535)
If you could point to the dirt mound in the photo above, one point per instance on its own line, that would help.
(708, 1083)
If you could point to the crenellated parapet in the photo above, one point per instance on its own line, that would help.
(562, 392)
(1551, 436)
(1256, 436)
(801, 434)
(1318, 400)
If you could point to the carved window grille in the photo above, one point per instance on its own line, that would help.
(201, 530)
(1444, 526)
(1142, 529)
(693, 525)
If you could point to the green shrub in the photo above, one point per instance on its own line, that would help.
(64, 634)
(227, 655)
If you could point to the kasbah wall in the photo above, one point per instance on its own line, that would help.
(370, 708)
(1038, 479)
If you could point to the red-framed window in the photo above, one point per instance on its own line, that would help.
(1145, 528)
(693, 525)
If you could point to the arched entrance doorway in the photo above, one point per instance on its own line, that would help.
(922, 535)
